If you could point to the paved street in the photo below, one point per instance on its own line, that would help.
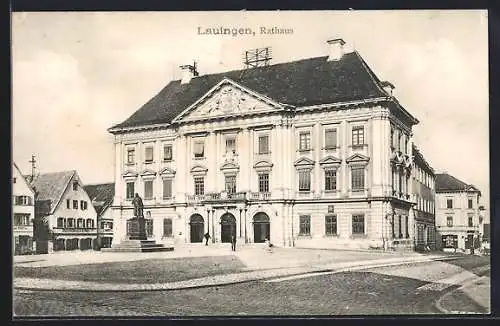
(416, 288)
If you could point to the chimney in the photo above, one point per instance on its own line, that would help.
(188, 72)
(335, 49)
(388, 87)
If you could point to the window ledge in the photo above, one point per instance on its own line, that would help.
(358, 146)
(304, 150)
(359, 236)
(304, 236)
(329, 236)
(199, 158)
(167, 161)
(331, 148)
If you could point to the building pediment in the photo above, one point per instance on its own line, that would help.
(167, 172)
(263, 166)
(304, 162)
(358, 158)
(330, 160)
(229, 167)
(227, 98)
(130, 174)
(199, 170)
(148, 173)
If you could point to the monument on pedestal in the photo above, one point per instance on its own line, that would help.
(138, 231)
(138, 238)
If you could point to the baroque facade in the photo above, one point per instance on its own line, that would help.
(310, 153)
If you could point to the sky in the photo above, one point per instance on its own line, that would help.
(75, 74)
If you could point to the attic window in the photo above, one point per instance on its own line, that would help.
(13, 180)
(75, 185)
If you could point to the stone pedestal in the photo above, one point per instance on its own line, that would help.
(137, 229)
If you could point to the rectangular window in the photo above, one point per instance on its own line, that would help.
(305, 225)
(305, 141)
(22, 219)
(358, 135)
(83, 205)
(75, 204)
(264, 182)
(357, 178)
(199, 149)
(392, 137)
(231, 145)
(471, 221)
(304, 180)
(60, 222)
(71, 223)
(79, 223)
(331, 225)
(148, 189)
(68, 203)
(449, 203)
(167, 188)
(358, 224)
(167, 153)
(148, 154)
(130, 190)
(75, 185)
(199, 185)
(14, 180)
(130, 156)
(230, 184)
(449, 221)
(407, 231)
(469, 203)
(167, 227)
(263, 144)
(331, 138)
(330, 179)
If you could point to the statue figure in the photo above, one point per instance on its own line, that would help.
(138, 206)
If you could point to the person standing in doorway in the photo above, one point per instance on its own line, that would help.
(233, 242)
(207, 237)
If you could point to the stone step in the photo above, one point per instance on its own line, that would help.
(148, 249)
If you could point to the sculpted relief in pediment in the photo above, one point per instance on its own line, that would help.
(229, 100)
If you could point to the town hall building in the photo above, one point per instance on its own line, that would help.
(309, 153)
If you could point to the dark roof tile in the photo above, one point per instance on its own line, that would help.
(446, 182)
(101, 195)
(298, 83)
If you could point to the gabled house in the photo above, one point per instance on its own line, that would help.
(65, 219)
(457, 213)
(23, 212)
(102, 196)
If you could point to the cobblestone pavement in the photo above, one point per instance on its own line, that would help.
(30, 283)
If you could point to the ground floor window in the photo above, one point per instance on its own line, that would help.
(167, 227)
(305, 225)
(331, 225)
(149, 228)
(358, 224)
(23, 245)
(449, 241)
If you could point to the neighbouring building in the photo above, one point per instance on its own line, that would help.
(102, 196)
(457, 213)
(297, 152)
(424, 194)
(23, 213)
(65, 218)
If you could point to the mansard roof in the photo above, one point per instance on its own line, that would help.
(448, 183)
(299, 83)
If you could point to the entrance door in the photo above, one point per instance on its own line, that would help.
(228, 227)
(470, 241)
(197, 227)
(261, 228)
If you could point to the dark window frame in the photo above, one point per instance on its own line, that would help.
(305, 225)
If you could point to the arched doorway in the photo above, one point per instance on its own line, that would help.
(197, 227)
(227, 227)
(261, 228)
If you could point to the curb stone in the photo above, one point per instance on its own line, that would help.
(210, 281)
